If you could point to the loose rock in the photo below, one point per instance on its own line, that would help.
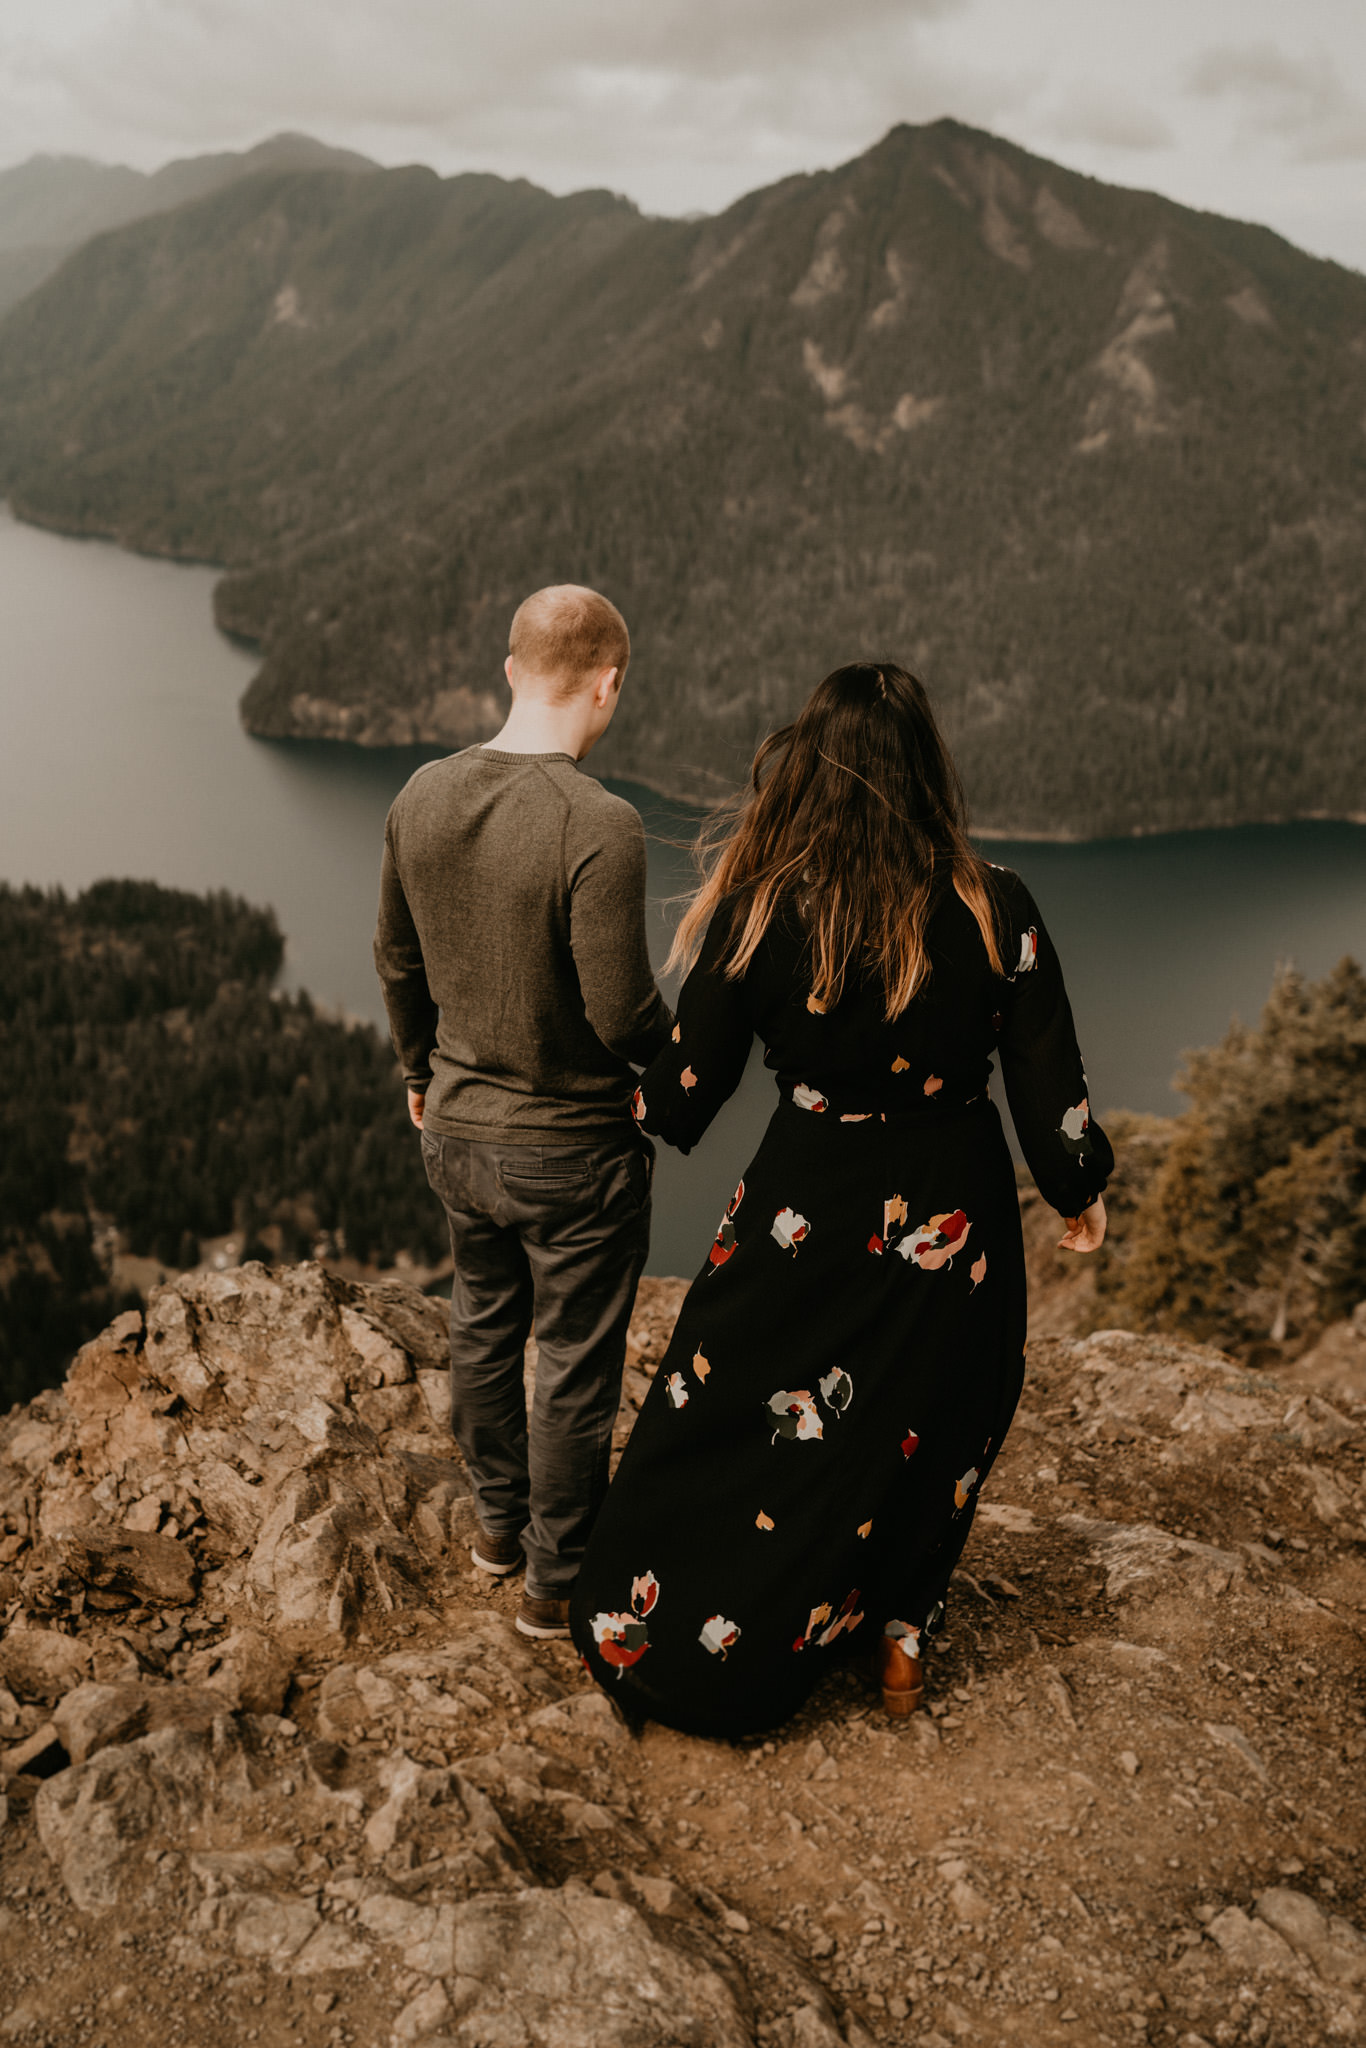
(1125, 1798)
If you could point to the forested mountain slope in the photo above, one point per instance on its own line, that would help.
(1094, 461)
(51, 204)
(156, 1090)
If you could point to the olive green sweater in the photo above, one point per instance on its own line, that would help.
(511, 948)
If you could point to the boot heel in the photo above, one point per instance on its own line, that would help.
(901, 1678)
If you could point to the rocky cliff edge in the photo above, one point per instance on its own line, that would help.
(276, 1767)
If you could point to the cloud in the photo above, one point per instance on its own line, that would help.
(600, 91)
(1098, 115)
(685, 104)
(1300, 101)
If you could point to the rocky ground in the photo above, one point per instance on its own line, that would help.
(277, 1769)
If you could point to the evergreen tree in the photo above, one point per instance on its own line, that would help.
(1253, 1226)
(155, 1080)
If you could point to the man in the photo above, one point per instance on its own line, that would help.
(511, 949)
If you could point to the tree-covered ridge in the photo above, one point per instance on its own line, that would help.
(1094, 461)
(154, 1081)
(51, 204)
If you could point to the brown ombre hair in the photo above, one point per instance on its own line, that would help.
(855, 812)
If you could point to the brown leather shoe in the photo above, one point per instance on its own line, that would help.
(497, 1554)
(901, 1677)
(542, 1618)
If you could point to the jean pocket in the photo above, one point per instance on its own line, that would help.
(550, 1179)
(447, 1164)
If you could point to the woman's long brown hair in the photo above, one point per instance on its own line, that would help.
(856, 812)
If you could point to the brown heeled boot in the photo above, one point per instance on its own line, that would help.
(900, 1676)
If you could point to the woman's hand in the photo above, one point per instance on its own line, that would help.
(1085, 1233)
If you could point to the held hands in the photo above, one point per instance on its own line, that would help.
(1085, 1233)
(416, 1098)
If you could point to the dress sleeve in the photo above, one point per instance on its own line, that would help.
(1065, 1149)
(700, 1067)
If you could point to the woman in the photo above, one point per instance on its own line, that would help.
(844, 1369)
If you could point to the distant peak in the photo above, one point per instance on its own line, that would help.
(291, 143)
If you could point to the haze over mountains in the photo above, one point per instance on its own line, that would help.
(1094, 461)
(51, 204)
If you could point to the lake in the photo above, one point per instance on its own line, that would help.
(123, 755)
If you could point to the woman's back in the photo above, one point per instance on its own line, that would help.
(846, 1364)
(853, 1060)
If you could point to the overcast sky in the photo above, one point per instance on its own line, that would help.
(1247, 107)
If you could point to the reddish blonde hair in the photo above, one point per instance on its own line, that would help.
(568, 632)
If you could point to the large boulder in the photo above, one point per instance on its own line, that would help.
(566, 1969)
(97, 1818)
(268, 1426)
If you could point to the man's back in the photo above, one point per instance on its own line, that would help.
(511, 939)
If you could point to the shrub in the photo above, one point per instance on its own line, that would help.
(1253, 1226)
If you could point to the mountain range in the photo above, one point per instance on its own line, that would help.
(1091, 461)
(51, 204)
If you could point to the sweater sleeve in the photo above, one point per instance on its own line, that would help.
(1065, 1148)
(701, 1065)
(606, 880)
(408, 1000)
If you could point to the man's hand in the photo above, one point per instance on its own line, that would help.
(416, 1098)
(1085, 1233)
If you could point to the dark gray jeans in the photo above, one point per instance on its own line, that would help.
(558, 1234)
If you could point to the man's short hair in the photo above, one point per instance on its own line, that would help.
(568, 632)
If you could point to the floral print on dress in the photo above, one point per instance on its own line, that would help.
(687, 1080)
(797, 1416)
(894, 1214)
(1075, 1129)
(933, 1244)
(838, 1389)
(676, 1389)
(845, 1619)
(638, 1107)
(937, 1345)
(900, 1066)
(718, 1635)
(790, 1229)
(726, 1241)
(623, 1639)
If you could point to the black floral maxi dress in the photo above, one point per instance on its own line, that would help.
(846, 1365)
